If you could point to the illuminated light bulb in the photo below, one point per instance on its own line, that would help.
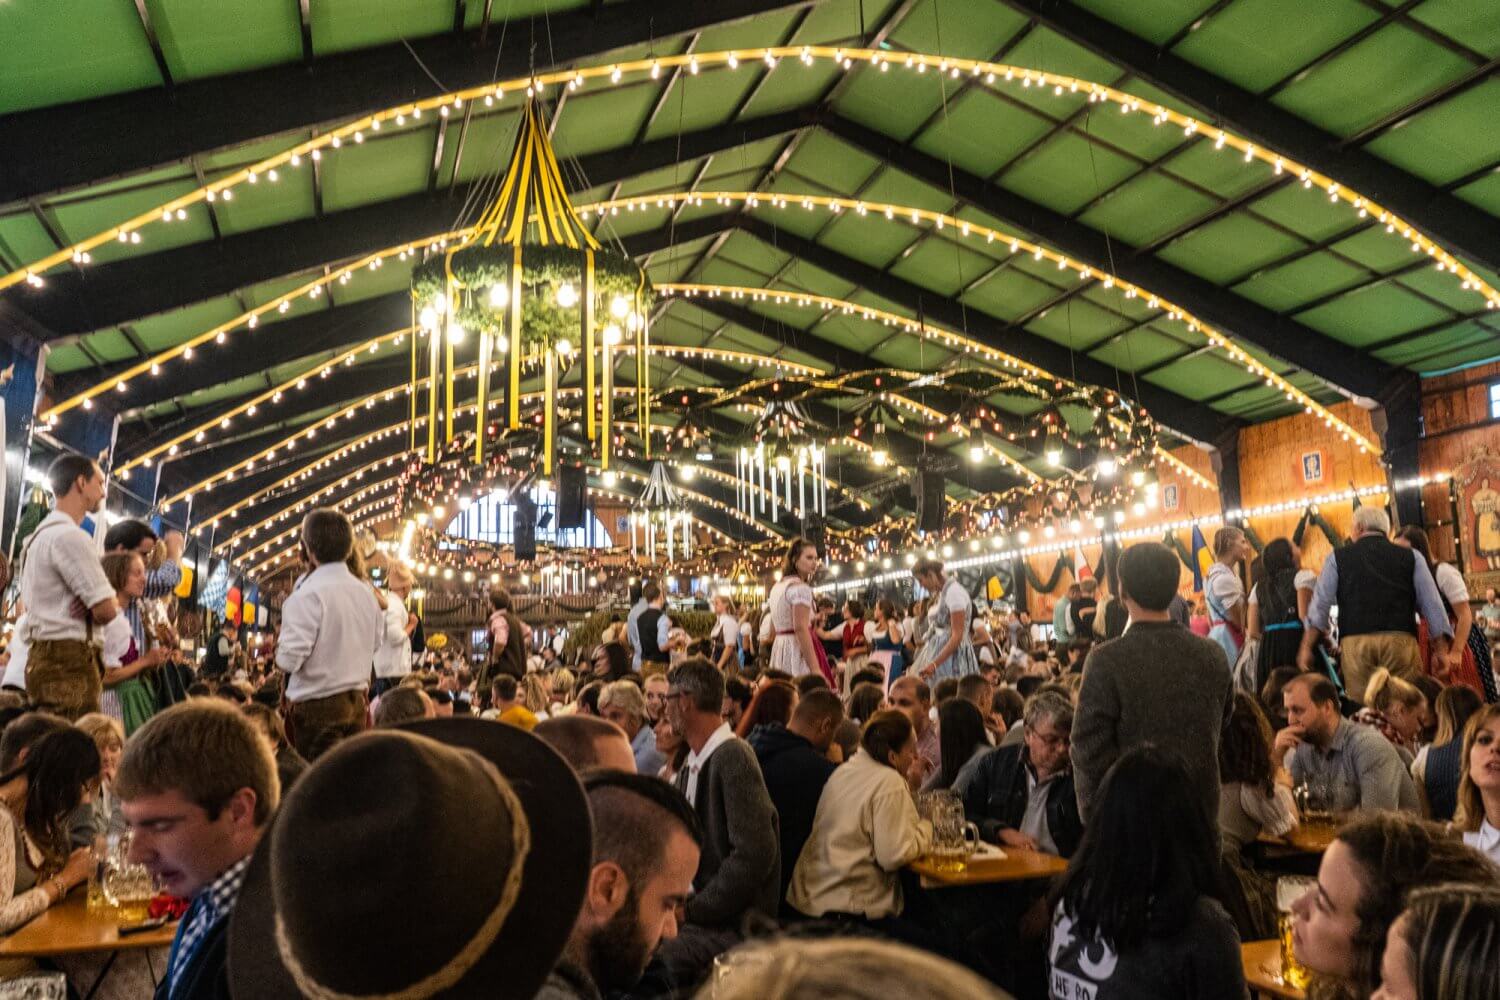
(1108, 467)
(689, 471)
(455, 333)
(564, 347)
(1053, 455)
(119, 386)
(612, 334)
(610, 477)
(619, 306)
(567, 295)
(976, 453)
(1023, 536)
(499, 296)
(429, 318)
(1138, 478)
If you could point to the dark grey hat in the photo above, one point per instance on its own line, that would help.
(447, 857)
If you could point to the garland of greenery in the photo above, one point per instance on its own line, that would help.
(477, 269)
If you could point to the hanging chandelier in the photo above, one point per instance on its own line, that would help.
(660, 513)
(779, 452)
(529, 286)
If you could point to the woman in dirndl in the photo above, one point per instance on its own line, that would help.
(795, 648)
(126, 696)
(947, 650)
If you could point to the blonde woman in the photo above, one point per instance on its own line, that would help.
(104, 812)
(1478, 812)
(1397, 708)
(536, 695)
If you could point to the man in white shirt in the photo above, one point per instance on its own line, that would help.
(65, 594)
(330, 629)
(393, 659)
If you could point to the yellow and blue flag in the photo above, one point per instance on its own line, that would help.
(1202, 560)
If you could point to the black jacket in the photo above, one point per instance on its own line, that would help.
(795, 774)
(206, 976)
(995, 799)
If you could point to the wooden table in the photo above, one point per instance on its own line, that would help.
(1312, 838)
(69, 929)
(1263, 970)
(1013, 864)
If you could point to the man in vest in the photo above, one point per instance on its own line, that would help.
(1379, 588)
(507, 642)
(651, 628)
(66, 595)
(219, 656)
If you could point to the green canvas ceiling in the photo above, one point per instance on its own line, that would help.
(1404, 91)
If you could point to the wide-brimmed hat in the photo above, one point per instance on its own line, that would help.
(447, 857)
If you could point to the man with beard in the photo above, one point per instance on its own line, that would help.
(646, 840)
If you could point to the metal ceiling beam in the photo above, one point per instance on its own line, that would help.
(1236, 316)
(1182, 415)
(1456, 224)
(57, 148)
(155, 43)
(107, 294)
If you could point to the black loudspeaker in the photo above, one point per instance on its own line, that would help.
(525, 527)
(570, 504)
(932, 500)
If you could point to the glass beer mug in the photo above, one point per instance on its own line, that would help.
(1289, 889)
(954, 839)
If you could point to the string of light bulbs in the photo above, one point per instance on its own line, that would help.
(990, 73)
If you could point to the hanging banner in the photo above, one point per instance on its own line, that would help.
(1476, 492)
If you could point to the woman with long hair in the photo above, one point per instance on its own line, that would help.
(1439, 765)
(1137, 906)
(947, 650)
(1252, 800)
(961, 738)
(1255, 797)
(535, 695)
(1339, 926)
(795, 649)
(1444, 946)
(1478, 812)
(1468, 661)
(1277, 606)
(771, 705)
(725, 635)
(39, 795)
(126, 696)
(886, 638)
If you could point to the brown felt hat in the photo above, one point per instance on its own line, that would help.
(447, 857)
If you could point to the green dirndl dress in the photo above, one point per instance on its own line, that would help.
(137, 703)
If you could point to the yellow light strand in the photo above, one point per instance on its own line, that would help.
(993, 74)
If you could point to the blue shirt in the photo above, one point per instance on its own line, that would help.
(633, 632)
(648, 759)
(1429, 602)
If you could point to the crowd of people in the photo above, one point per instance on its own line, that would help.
(739, 813)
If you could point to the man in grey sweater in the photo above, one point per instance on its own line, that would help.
(739, 870)
(1158, 683)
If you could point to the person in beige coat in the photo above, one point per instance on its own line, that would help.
(865, 830)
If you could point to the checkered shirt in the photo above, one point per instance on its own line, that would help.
(210, 906)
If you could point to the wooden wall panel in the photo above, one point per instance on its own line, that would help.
(1271, 472)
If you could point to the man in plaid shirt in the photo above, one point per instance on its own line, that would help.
(198, 787)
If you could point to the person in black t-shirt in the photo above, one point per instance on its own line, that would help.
(1081, 610)
(1135, 916)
